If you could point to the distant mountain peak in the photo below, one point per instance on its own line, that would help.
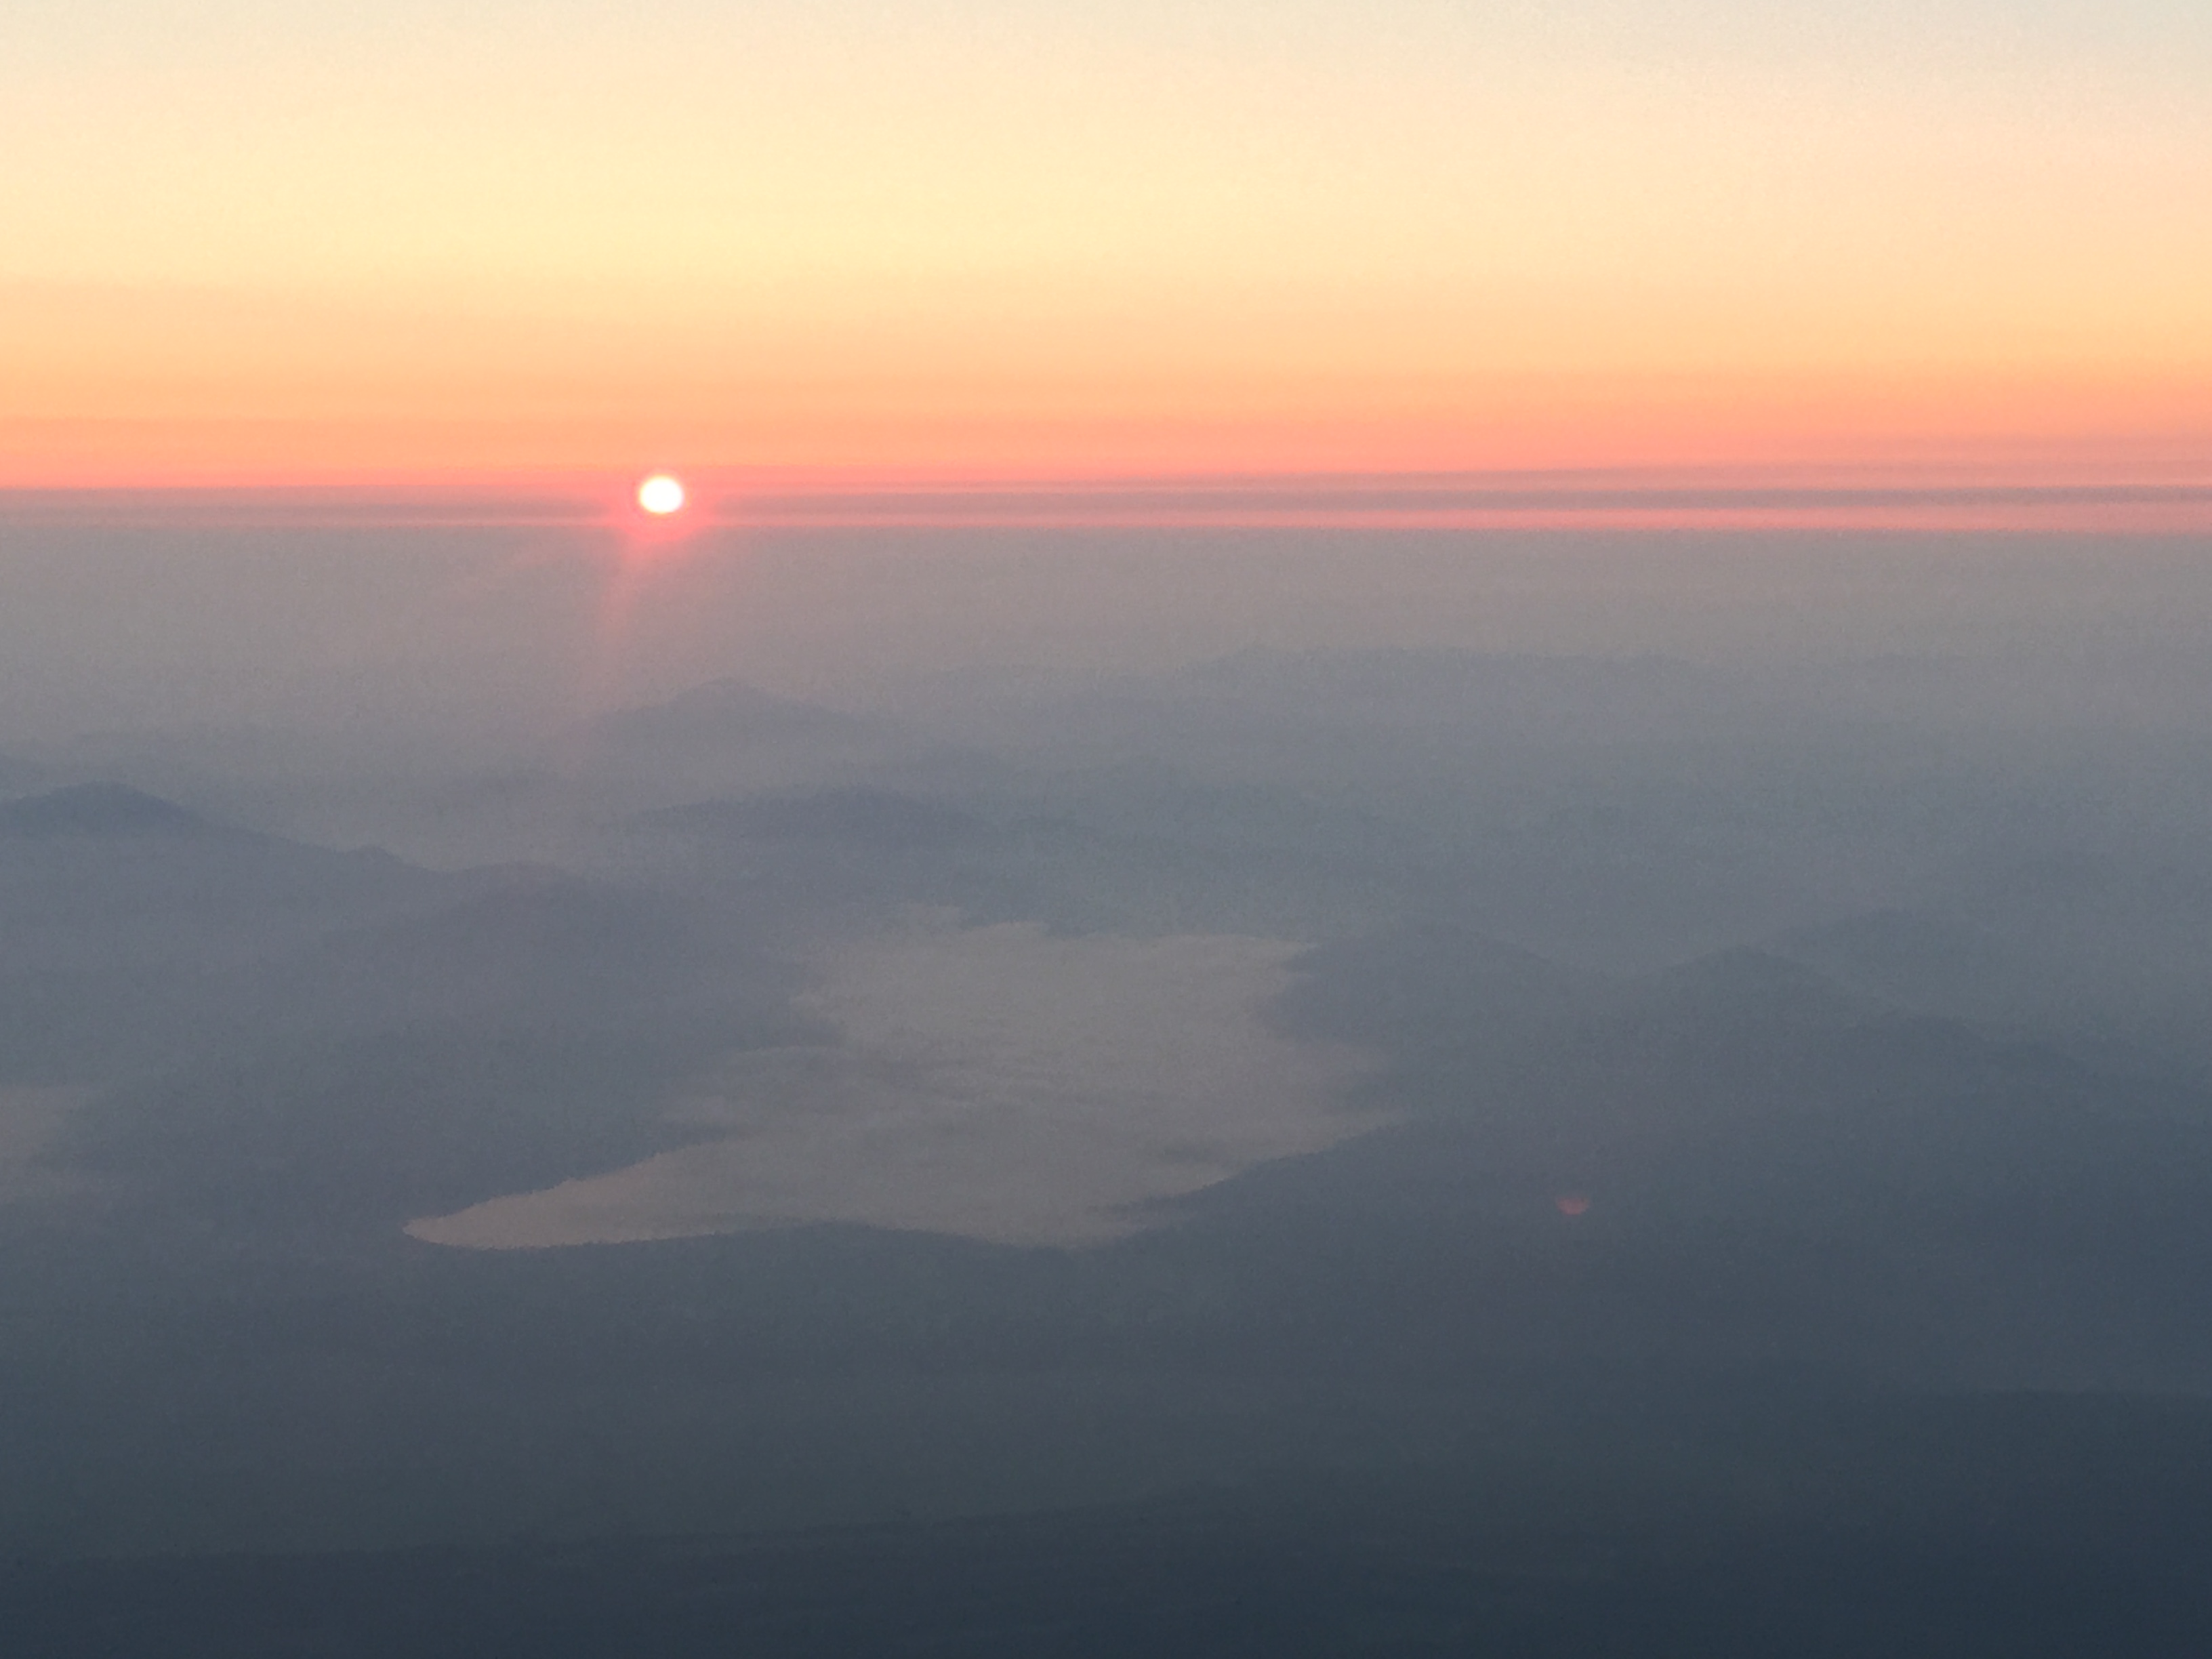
(1765, 986)
(97, 809)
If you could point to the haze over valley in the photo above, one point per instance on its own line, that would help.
(1023, 1084)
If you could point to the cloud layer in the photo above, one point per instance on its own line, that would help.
(995, 1083)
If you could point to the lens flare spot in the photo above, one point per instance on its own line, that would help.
(1572, 1204)
(661, 494)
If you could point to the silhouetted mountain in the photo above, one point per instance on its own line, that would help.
(98, 809)
(19, 775)
(131, 930)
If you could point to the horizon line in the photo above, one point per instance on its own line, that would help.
(726, 500)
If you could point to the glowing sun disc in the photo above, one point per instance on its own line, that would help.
(661, 494)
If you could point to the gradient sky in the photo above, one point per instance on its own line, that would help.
(276, 241)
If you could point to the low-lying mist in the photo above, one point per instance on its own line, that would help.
(835, 1028)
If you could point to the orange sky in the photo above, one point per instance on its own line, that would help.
(271, 242)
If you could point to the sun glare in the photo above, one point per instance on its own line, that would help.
(661, 494)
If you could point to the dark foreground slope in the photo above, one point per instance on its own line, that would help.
(2002, 1525)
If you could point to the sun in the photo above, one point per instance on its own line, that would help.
(661, 494)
